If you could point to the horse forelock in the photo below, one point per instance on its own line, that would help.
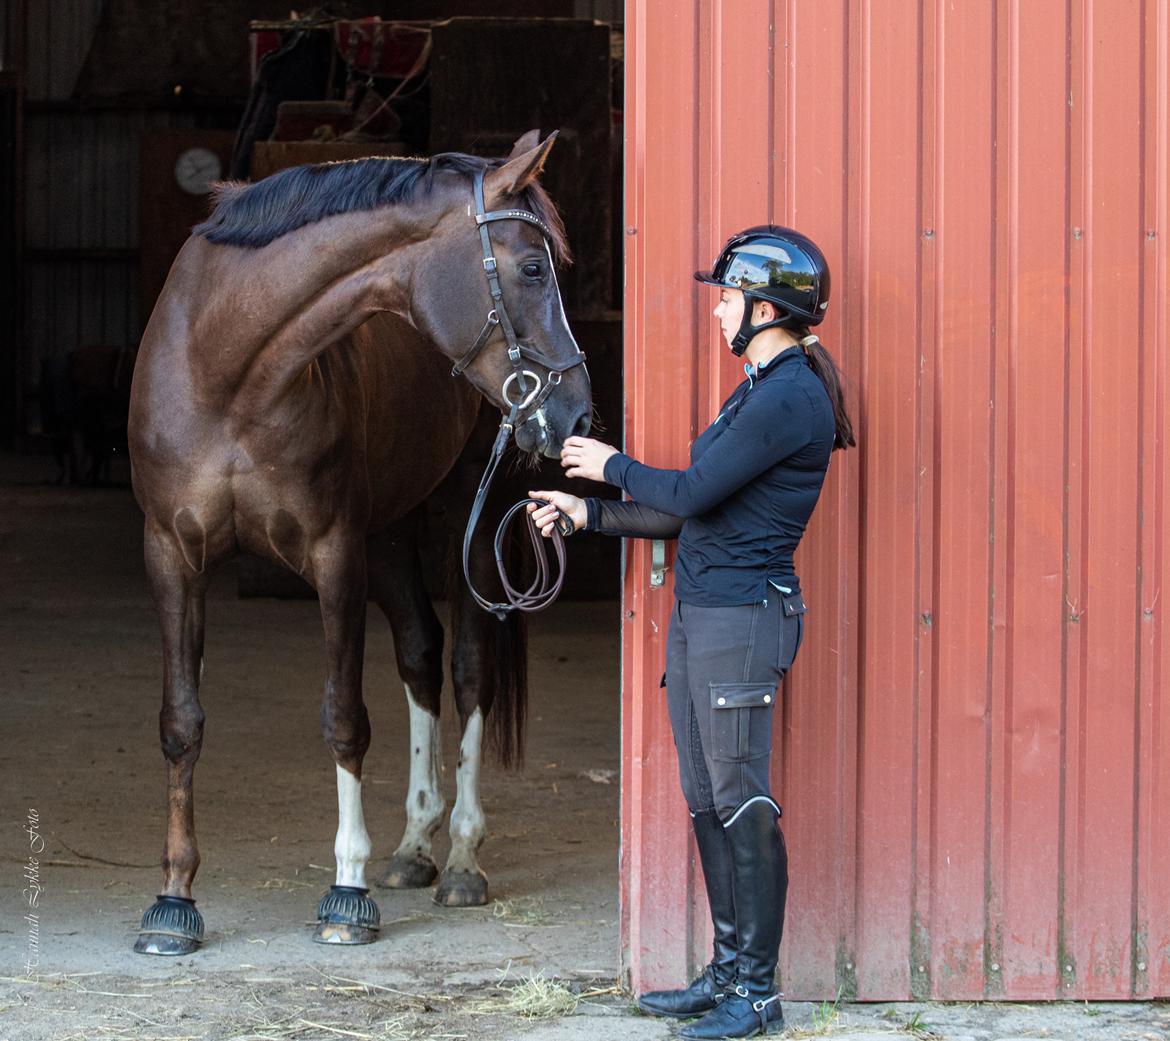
(535, 198)
(253, 215)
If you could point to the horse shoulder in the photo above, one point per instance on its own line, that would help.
(419, 417)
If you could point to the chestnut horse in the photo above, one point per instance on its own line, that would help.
(280, 408)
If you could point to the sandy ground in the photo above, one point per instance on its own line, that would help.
(80, 673)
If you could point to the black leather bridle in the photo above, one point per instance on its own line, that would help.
(541, 593)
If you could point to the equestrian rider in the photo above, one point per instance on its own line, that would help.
(738, 511)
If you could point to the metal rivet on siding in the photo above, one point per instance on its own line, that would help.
(1076, 233)
(1141, 966)
(631, 230)
(849, 966)
(1151, 234)
(1148, 614)
(995, 966)
(629, 614)
(722, 701)
(928, 233)
(1068, 968)
(921, 968)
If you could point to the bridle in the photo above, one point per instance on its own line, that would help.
(541, 592)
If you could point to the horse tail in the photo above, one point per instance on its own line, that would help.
(509, 711)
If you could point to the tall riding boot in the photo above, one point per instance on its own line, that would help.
(707, 991)
(760, 884)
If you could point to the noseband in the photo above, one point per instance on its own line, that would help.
(542, 592)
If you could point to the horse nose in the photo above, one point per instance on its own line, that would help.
(580, 426)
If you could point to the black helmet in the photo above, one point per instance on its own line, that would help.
(775, 264)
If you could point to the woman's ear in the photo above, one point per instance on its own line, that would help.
(764, 311)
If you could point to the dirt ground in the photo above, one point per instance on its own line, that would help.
(80, 672)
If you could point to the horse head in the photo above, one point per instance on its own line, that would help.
(484, 289)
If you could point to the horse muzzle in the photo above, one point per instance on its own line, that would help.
(536, 435)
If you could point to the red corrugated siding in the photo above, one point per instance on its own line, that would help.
(976, 739)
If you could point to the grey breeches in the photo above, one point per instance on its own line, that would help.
(723, 667)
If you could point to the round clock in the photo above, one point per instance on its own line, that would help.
(196, 169)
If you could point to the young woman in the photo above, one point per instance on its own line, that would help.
(738, 511)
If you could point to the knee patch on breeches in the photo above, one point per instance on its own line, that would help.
(728, 817)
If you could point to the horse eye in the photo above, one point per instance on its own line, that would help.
(531, 270)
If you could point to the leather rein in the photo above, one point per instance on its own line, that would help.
(543, 590)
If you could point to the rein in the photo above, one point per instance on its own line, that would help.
(543, 590)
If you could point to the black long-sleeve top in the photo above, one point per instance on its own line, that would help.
(741, 507)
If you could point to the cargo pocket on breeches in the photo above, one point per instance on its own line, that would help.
(741, 720)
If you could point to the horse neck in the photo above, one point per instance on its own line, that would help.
(280, 306)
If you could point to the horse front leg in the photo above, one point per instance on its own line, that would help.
(397, 586)
(346, 914)
(173, 925)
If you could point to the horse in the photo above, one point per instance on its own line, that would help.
(291, 399)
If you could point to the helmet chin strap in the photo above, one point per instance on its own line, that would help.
(747, 331)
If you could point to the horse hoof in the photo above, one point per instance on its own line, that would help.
(462, 889)
(347, 915)
(171, 925)
(409, 873)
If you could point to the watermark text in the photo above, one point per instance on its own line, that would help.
(33, 890)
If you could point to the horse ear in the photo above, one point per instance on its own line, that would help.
(522, 168)
(525, 144)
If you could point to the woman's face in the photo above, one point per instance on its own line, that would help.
(729, 311)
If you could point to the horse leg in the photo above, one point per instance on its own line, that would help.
(346, 914)
(396, 585)
(489, 668)
(463, 883)
(172, 925)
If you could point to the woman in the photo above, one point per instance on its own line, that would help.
(738, 512)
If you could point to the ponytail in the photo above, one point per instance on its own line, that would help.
(821, 362)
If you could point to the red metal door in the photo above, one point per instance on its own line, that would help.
(975, 740)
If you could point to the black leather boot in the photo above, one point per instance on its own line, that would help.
(707, 991)
(760, 884)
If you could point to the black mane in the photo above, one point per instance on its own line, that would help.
(253, 215)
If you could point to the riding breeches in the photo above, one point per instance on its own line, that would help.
(723, 668)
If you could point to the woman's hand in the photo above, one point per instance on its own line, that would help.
(545, 517)
(585, 457)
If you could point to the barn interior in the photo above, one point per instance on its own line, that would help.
(115, 119)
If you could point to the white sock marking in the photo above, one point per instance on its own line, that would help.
(352, 848)
(467, 819)
(424, 800)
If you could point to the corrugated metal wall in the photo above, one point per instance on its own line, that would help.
(82, 227)
(975, 742)
(81, 196)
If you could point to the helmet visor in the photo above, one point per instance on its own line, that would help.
(763, 266)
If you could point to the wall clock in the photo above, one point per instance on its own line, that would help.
(196, 169)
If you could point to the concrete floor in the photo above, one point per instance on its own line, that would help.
(80, 673)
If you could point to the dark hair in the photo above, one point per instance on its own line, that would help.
(821, 362)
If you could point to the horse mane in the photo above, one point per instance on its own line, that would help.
(253, 215)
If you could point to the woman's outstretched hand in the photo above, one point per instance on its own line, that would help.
(545, 517)
(585, 457)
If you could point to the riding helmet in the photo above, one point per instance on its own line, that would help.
(776, 264)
